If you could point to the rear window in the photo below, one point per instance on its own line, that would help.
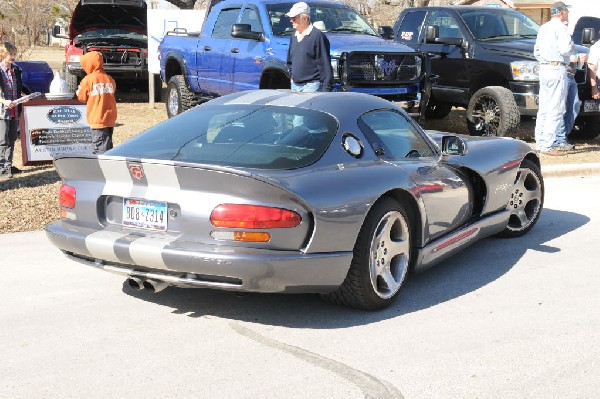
(252, 136)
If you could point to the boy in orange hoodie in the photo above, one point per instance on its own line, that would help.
(97, 90)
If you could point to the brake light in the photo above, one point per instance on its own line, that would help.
(253, 217)
(67, 196)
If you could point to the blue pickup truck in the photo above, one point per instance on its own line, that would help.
(243, 45)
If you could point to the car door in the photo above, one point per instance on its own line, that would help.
(247, 54)
(448, 61)
(444, 192)
(215, 71)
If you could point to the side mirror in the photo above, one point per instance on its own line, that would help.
(587, 37)
(386, 32)
(432, 33)
(453, 145)
(242, 31)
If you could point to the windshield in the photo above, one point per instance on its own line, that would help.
(325, 17)
(489, 25)
(252, 136)
(110, 34)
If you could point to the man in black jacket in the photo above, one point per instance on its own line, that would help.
(10, 90)
(308, 56)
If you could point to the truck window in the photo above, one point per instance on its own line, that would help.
(225, 20)
(410, 27)
(250, 16)
(448, 26)
(489, 25)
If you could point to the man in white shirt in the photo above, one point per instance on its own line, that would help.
(553, 49)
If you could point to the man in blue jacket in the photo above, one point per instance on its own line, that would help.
(308, 58)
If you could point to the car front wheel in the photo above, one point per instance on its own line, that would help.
(381, 260)
(526, 200)
(492, 111)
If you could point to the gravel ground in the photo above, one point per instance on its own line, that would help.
(29, 200)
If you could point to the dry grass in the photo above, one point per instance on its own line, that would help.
(29, 200)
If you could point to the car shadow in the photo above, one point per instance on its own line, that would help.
(35, 177)
(466, 272)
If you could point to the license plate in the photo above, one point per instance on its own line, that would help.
(590, 106)
(150, 215)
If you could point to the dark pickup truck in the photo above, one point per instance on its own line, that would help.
(483, 57)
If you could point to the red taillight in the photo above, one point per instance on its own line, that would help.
(253, 217)
(67, 196)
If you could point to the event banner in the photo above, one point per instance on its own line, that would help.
(52, 128)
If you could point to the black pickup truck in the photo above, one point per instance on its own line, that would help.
(483, 57)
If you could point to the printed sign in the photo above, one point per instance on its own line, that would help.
(54, 128)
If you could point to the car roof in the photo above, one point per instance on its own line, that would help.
(341, 105)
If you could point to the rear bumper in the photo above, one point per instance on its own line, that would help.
(191, 264)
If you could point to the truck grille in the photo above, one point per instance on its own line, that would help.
(382, 68)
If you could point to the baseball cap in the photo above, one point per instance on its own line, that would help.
(297, 9)
(558, 6)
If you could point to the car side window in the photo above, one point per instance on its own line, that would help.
(250, 17)
(409, 29)
(448, 26)
(391, 135)
(224, 22)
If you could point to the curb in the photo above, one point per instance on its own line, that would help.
(576, 169)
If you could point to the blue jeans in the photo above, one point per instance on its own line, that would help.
(552, 106)
(573, 106)
(309, 87)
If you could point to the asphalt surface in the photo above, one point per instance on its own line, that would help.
(506, 318)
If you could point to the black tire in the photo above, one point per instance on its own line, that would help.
(587, 127)
(382, 255)
(492, 111)
(437, 110)
(526, 200)
(179, 96)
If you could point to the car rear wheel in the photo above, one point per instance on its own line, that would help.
(381, 259)
(526, 200)
(492, 111)
(179, 97)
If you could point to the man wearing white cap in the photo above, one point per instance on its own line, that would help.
(553, 48)
(308, 57)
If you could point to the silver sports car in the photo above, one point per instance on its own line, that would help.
(341, 194)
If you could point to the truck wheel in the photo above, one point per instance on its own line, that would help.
(437, 110)
(179, 96)
(588, 127)
(493, 111)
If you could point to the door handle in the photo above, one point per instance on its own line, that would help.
(235, 50)
(207, 48)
